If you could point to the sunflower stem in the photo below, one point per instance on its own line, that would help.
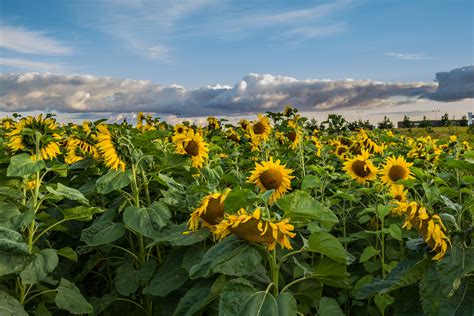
(274, 271)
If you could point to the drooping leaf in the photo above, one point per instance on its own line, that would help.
(194, 300)
(9, 306)
(69, 298)
(83, 213)
(69, 253)
(234, 294)
(286, 304)
(171, 276)
(128, 280)
(328, 245)
(329, 306)
(102, 231)
(261, 303)
(113, 180)
(368, 253)
(22, 165)
(43, 263)
(147, 221)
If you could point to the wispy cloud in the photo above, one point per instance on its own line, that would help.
(408, 56)
(25, 41)
(32, 65)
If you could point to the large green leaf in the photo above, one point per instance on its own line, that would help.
(261, 303)
(70, 298)
(9, 306)
(43, 263)
(194, 300)
(286, 304)
(63, 191)
(328, 245)
(238, 198)
(234, 294)
(332, 273)
(83, 213)
(299, 206)
(443, 279)
(232, 256)
(7, 212)
(128, 280)
(102, 232)
(14, 253)
(170, 277)
(113, 180)
(328, 306)
(147, 221)
(408, 271)
(21, 165)
(178, 235)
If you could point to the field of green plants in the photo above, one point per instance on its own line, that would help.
(274, 216)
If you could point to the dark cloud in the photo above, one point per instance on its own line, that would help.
(455, 85)
(254, 93)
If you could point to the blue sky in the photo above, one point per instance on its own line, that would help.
(157, 52)
(200, 42)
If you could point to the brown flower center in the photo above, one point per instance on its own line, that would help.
(249, 231)
(292, 136)
(180, 130)
(214, 211)
(396, 173)
(360, 168)
(271, 179)
(258, 128)
(398, 197)
(192, 148)
(341, 150)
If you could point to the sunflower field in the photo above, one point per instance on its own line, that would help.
(271, 216)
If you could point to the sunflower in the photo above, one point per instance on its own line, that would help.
(193, 145)
(179, 134)
(318, 145)
(431, 227)
(260, 129)
(396, 169)
(255, 229)
(361, 168)
(270, 175)
(107, 146)
(368, 144)
(232, 135)
(294, 135)
(78, 149)
(342, 151)
(22, 139)
(244, 124)
(211, 211)
(213, 123)
(400, 195)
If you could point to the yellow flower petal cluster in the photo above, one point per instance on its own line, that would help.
(395, 169)
(210, 212)
(78, 149)
(107, 148)
(271, 175)
(260, 130)
(369, 144)
(431, 227)
(253, 228)
(424, 148)
(400, 196)
(360, 168)
(192, 144)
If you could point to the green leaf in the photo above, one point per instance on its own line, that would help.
(261, 303)
(9, 306)
(383, 301)
(368, 253)
(67, 192)
(383, 210)
(83, 213)
(12, 193)
(7, 212)
(459, 164)
(310, 182)
(70, 298)
(170, 277)
(194, 300)
(43, 263)
(102, 232)
(231, 256)
(332, 273)
(300, 206)
(177, 235)
(408, 271)
(286, 304)
(328, 245)
(237, 199)
(147, 221)
(21, 165)
(328, 306)
(113, 180)
(234, 294)
(69, 253)
(395, 231)
(266, 195)
(128, 280)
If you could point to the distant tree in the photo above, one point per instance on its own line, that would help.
(463, 121)
(385, 124)
(425, 122)
(336, 123)
(445, 120)
(360, 125)
(406, 122)
(312, 124)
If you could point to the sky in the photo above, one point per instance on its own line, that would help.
(194, 58)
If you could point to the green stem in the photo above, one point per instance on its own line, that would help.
(274, 271)
(38, 294)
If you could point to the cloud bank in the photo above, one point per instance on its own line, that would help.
(454, 85)
(254, 93)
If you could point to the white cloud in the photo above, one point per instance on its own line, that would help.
(407, 56)
(254, 93)
(26, 41)
(32, 65)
